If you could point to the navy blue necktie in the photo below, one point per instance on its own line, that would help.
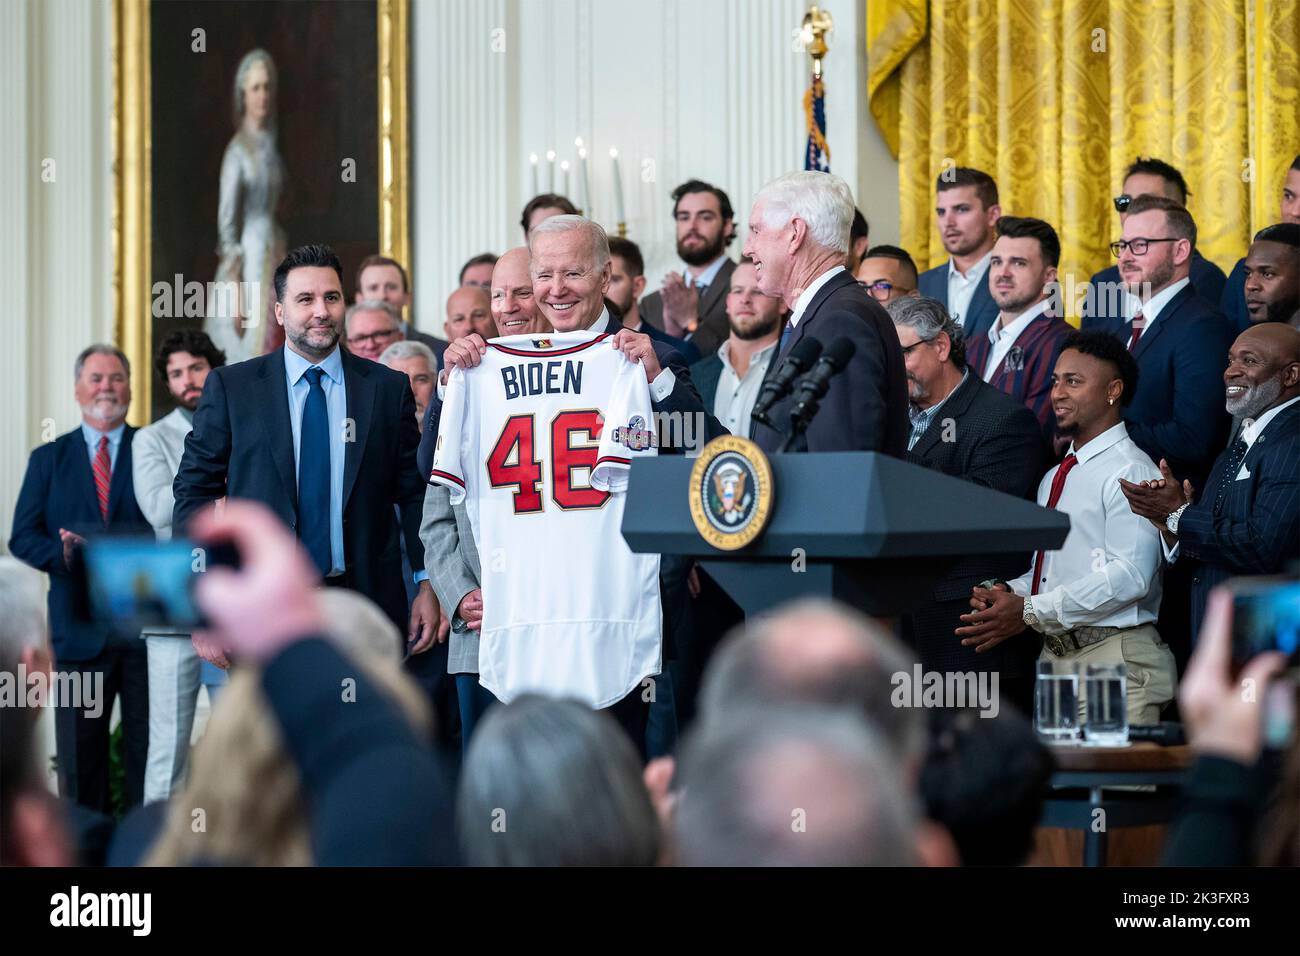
(785, 337)
(314, 474)
(1236, 455)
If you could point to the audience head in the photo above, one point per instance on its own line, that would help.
(418, 363)
(1273, 274)
(478, 271)
(798, 223)
(887, 273)
(1022, 268)
(1151, 177)
(705, 222)
(103, 386)
(469, 310)
(1156, 251)
(934, 349)
(859, 241)
(1094, 378)
(984, 781)
(240, 773)
(553, 783)
(543, 207)
(183, 362)
(571, 270)
(32, 828)
(626, 275)
(966, 210)
(1263, 369)
(370, 326)
(792, 786)
(309, 300)
(1291, 193)
(751, 313)
(514, 307)
(818, 653)
(383, 278)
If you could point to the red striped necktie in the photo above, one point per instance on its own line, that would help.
(103, 470)
(1058, 485)
(1138, 322)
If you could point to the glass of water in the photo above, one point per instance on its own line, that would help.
(1056, 701)
(1105, 691)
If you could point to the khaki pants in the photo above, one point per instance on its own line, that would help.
(1150, 669)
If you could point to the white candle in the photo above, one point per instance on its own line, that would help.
(584, 184)
(564, 178)
(532, 158)
(618, 187)
(550, 170)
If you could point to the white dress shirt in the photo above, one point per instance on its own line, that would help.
(1107, 573)
(1154, 306)
(1002, 339)
(961, 288)
(805, 299)
(736, 393)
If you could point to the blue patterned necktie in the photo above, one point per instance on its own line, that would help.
(314, 474)
(1235, 457)
(785, 337)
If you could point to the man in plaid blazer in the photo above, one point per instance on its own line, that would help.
(1246, 520)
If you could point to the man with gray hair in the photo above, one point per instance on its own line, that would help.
(798, 238)
(966, 428)
(794, 786)
(370, 326)
(78, 486)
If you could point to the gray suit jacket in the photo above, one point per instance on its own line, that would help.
(713, 328)
(451, 558)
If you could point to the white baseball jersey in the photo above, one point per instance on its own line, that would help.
(540, 438)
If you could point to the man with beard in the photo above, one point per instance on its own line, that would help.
(77, 486)
(692, 304)
(730, 379)
(626, 283)
(1246, 519)
(1095, 598)
(175, 671)
(1233, 303)
(1017, 353)
(326, 440)
(1272, 285)
(966, 212)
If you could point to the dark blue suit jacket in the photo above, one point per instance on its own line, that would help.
(1233, 302)
(242, 447)
(865, 408)
(933, 284)
(706, 374)
(1177, 412)
(689, 352)
(1256, 529)
(1103, 306)
(59, 492)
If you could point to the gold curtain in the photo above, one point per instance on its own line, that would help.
(1054, 98)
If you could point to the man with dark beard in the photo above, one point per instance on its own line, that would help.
(1272, 283)
(730, 379)
(692, 304)
(1247, 517)
(626, 283)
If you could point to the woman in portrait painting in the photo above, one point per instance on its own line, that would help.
(251, 242)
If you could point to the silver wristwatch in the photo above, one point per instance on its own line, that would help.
(1028, 615)
(1171, 520)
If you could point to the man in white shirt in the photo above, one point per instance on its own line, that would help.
(1095, 599)
(966, 212)
(175, 671)
(729, 381)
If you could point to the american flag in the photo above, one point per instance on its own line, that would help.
(818, 155)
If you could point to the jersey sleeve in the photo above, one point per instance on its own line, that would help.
(448, 465)
(629, 429)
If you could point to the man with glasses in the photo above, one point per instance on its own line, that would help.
(1108, 301)
(887, 273)
(370, 326)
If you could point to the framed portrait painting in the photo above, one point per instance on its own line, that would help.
(243, 128)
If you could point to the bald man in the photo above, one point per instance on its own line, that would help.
(514, 307)
(1247, 518)
(469, 310)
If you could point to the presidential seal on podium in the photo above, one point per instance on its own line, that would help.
(731, 492)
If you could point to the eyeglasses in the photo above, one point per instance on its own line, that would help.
(880, 289)
(372, 337)
(1137, 246)
(907, 349)
(1122, 202)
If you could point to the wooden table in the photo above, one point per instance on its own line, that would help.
(1098, 769)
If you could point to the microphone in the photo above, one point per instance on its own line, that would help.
(811, 388)
(801, 357)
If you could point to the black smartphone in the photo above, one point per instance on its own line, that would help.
(130, 583)
(1265, 617)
